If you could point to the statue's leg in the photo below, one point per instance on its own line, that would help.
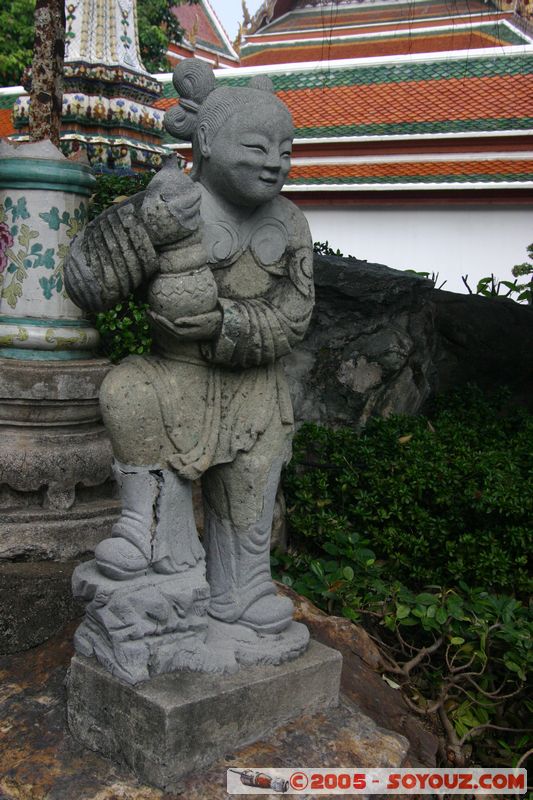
(130, 410)
(239, 503)
(156, 528)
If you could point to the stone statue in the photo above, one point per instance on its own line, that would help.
(227, 267)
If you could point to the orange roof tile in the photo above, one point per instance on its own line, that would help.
(498, 96)
(456, 95)
(325, 50)
(6, 122)
(414, 171)
(165, 102)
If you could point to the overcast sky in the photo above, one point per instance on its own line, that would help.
(229, 13)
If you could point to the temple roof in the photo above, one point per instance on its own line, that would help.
(456, 122)
(331, 31)
(402, 97)
(204, 36)
(445, 172)
(332, 15)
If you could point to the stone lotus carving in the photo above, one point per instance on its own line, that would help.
(227, 266)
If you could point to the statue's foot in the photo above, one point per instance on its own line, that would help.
(269, 614)
(119, 559)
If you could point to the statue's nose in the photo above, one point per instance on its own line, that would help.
(273, 161)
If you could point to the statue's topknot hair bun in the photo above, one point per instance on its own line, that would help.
(262, 82)
(193, 80)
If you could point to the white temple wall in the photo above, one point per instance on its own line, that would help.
(453, 241)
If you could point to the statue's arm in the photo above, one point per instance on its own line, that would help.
(117, 251)
(110, 258)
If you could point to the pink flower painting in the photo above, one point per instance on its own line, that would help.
(6, 241)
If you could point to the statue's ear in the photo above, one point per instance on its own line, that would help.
(205, 148)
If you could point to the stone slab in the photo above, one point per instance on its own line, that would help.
(35, 602)
(175, 724)
(45, 392)
(42, 761)
(30, 533)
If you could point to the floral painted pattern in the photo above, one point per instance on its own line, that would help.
(74, 224)
(14, 270)
(20, 250)
(110, 112)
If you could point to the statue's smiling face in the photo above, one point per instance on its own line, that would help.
(249, 157)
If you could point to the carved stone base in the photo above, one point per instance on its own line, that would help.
(178, 723)
(145, 626)
(154, 624)
(57, 496)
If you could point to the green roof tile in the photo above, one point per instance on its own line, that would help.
(402, 128)
(398, 72)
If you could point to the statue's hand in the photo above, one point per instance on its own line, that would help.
(199, 328)
(171, 205)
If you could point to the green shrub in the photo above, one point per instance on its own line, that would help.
(524, 271)
(440, 500)
(110, 187)
(394, 528)
(323, 249)
(459, 656)
(124, 330)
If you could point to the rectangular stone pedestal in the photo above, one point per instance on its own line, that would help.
(178, 723)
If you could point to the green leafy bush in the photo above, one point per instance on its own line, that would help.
(459, 656)
(441, 500)
(158, 27)
(16, 42)
(409, 528)
(124, 330)
(323, 249)
(112, 188)
(525, 270)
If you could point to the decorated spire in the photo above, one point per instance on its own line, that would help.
(103, 32)
(107, 109)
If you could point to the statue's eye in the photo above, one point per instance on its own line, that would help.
(286, 154)
(261, 148)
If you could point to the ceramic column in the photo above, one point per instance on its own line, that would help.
(43, 206)
(56, 496)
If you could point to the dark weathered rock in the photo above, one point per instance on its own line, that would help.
(383, 341)
(361, 680)
(484, 341)
(369, 347)
(35, 601)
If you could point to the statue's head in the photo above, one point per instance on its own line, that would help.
(241, 136)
